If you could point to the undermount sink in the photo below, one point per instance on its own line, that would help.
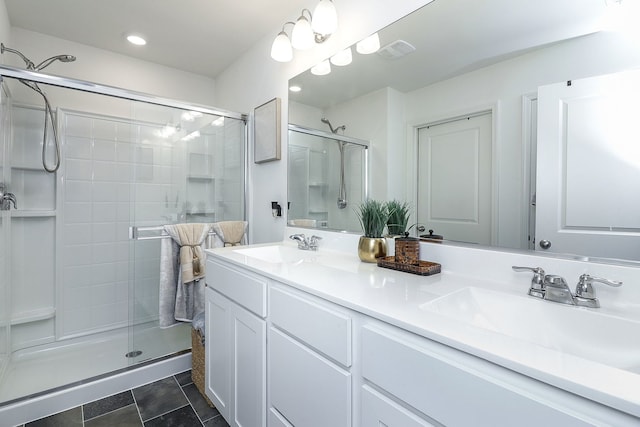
(277, 253)
(577, 331)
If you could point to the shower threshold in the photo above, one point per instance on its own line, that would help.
(32, 371)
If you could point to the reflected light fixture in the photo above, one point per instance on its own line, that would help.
(295, 88)
(342, 58)
(136, 40)
(307, 30)
(321, 69)
(368, 45)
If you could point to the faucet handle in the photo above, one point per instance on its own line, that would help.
(585, 290)
(537, 288)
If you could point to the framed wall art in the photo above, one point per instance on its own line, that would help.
(266, 131)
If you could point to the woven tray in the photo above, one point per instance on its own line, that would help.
(424, 268)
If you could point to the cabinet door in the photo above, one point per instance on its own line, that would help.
(307, 389)
(235, 366)
(249, 369)
(218, 351)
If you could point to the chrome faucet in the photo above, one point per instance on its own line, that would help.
(554, 288)
(306, 243)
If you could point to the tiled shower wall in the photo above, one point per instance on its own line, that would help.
(115, 173)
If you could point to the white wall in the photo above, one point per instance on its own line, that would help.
(256, 78)
(112, 69)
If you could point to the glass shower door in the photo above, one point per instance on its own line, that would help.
(187, 168)
(5, 240)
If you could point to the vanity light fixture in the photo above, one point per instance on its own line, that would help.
(136, 40)
(281, 49)
(302, 36)
(342, 58)
(321, 69)
(368, 45)
(307, 30)
(325, 19)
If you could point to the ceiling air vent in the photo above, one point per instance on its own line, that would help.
(396, 49)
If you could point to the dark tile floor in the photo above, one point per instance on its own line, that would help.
(171, 402)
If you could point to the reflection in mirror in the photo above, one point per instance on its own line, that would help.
(327, 179)
(491, 56)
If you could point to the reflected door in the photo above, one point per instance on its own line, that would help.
(588, 177)
(454, 179)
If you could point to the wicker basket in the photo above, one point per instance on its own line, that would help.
(197, 364)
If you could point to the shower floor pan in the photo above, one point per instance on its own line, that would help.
(35, 370)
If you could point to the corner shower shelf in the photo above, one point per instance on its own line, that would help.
(33, 315)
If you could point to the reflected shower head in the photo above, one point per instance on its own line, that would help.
(327, 122)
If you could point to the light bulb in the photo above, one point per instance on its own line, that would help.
(322, 68)
(325, 18)
(302, 35)
(369, 45)
(342, 58)
(281, 48)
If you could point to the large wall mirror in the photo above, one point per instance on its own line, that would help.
(449, 105)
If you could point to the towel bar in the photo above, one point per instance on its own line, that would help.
(134, 233)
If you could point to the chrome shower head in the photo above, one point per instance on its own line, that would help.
(27, 61)
(43, 64)
(49, 61)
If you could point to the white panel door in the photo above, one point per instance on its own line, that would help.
(454, 179)
(588, 177)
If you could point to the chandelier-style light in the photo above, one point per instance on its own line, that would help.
(316, 28)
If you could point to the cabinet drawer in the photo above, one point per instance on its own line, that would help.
(456, 389)
(377, 410)
(308, 390)
(246, 289)
(312, 322)
(276, 419)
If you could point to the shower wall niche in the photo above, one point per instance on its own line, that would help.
(81, 292)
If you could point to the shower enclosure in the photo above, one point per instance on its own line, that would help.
(79, 248)
(327, 178)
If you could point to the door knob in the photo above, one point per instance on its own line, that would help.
(545, 244)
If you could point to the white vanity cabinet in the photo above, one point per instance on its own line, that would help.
(412, 381)
(235, 344)
(309, 361)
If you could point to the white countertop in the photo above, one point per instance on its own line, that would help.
(395, 297)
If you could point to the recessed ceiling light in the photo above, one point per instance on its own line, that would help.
(295, 88)
(137, 40)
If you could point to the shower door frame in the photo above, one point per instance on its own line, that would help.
(129, 95)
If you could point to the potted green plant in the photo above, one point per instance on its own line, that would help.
(398, 217)
(373, 216)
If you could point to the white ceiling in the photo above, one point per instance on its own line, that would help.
(200, 36)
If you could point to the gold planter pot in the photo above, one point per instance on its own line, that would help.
(371, 248)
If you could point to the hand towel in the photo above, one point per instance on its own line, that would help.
(182, 273)
(232, 233)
